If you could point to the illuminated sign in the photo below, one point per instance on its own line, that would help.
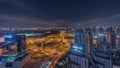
(100, 34)
(77, 47)
(27, 35)
(95, 36)
(8, 36)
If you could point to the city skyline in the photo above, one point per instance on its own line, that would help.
(70, 47)
(59, 34)
(39, 13)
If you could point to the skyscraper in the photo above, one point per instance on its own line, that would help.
(78, 55)
(13, 52)
(113, 40)
(21, 42)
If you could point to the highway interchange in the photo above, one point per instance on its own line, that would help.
(48, 48)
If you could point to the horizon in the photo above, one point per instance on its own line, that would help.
(30, 13)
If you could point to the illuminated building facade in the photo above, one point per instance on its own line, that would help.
(95, 48)
(89, 41)
(102, 55)
(13, 52)
(116, 60)
(102, 60)
(21, 43)
(113, 40)
(78, 55)
(118, 41)
(1, 39)
(9, 38)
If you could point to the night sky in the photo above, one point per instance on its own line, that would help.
(37, 13)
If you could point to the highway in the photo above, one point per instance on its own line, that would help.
(49, 48)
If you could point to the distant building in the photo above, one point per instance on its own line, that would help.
(113, 40)
(1, 39)
(89, 41)
(117, 40)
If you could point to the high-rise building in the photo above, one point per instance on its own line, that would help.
(107, 35)
(118, 41)
(118, 30)
(1, 39)
(89, 40)
(102, 55)
(101, 30)
(116, 59)
(13, 52)
(102, 60)
(21, 42)
(95, 48)
(113, 40)
(78, 56)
